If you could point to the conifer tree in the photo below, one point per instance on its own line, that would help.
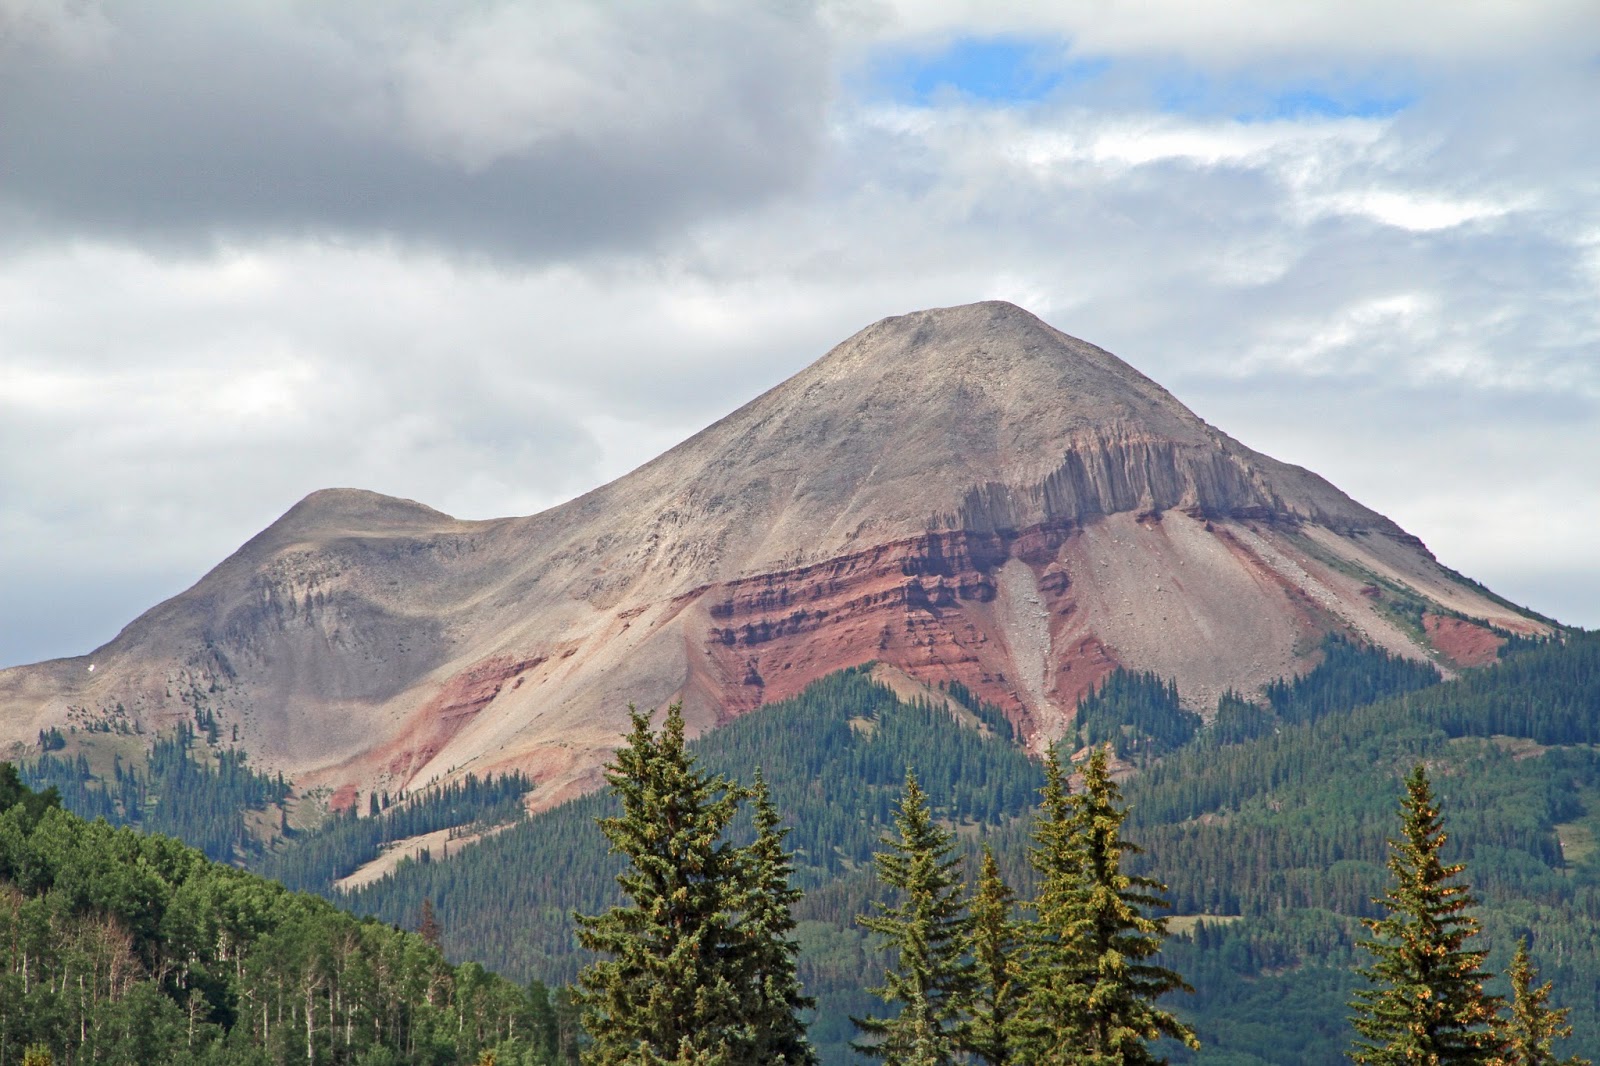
(926, 929)
(668, 992)
(1052, 1003)
(1533, 1025)
(1428, 1006)
(1092, 989)
(774, 999)
(995, 944)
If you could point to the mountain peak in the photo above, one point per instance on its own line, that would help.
(361, 509)
(979, 417)
(995, 361)
(960, 494)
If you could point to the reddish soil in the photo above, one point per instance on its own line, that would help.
(343, 798)
(1079, 669)
(1466, 643)
(458, 701)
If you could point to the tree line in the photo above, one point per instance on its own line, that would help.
(188, 787)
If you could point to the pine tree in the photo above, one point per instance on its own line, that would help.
(927, 931)
(1093, 992)
(1428, 1007)
(1533, 1025)
(776, 1036)
(668, 992)
(995, 944)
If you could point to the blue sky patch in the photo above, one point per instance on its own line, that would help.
(995, 70)
(1298, 103)
(1015, 71)
(1258, 99)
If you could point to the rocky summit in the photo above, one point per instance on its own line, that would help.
(961, 494)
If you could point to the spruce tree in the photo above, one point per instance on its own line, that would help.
(1427, 1006)
(1052, 1004)
(995, 943)
(1092, 987)
(668, 992)
(926, 930)
(1533, 1025)
(775, 1035)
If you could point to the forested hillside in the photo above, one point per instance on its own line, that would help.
(187, 784)
(1268, 825)
(125, 948)
(1271, 837)
(1287, 833)
(835, 758)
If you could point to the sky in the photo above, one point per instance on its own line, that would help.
(490, 255)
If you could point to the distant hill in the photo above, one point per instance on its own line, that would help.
(965, 494)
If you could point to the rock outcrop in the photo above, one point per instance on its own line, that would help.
(964, 493)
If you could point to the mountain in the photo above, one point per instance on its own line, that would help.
(961, 494)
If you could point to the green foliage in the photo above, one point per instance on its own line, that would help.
(837, 754)
(665, 992)
(1532, 1025)
(987, 713)
(1349, 675)
(698, 966)
(1092, 984)
(1055, 965)
(995, 945)
(1282, 832)
(768, 979)
(1138, 714)
(1239, 720)
(15, 796)
(1427, 1004)
(188, 789)
(313, 860)
(121, 947)
(1288, 832)
(926, 930)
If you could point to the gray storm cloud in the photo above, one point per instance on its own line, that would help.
(523, 131)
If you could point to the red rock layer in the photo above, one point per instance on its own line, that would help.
(921, 605)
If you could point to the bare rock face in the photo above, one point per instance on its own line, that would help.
(964, 494)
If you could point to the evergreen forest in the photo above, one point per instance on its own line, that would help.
(1269, 827)
(128, 948)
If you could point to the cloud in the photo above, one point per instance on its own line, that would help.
(524, 133)
(488, 259)
(1249, 31)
